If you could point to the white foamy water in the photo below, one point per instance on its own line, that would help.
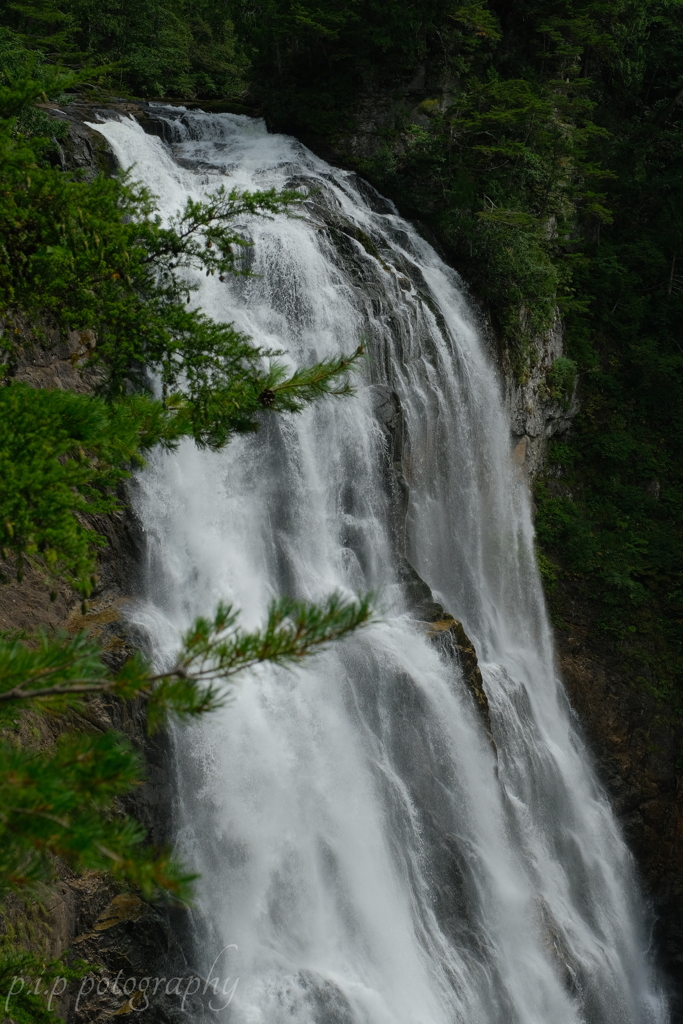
(358, 842)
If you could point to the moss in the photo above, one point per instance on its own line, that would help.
(561, 381)
(548, 570)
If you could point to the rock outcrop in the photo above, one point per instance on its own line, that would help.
(450, 635)
(535, 413)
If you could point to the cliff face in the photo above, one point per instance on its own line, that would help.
(111, 930)
(635, 739)
(637, 744)
(88, 914)
(535, 416)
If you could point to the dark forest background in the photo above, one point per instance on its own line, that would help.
(546, 160)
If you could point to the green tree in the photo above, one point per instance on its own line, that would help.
(94, 258)
(59, 803)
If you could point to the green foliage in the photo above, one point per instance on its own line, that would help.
(614, 524)
(52, 670)
(541, 144)
(16, 62)
(217, 649)
(561, 380)
(60, 804)
(62, 801)
(548, 571)
(156, 48)
(32, 981)
(95, 259)
(61, 455)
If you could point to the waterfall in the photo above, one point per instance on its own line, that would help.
(367, 854)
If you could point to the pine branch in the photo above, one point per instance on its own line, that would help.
(213, 652)
(77, 688)
(62, 802)
(27, 980)
(292, 394)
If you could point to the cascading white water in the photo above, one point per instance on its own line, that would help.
(362, 851)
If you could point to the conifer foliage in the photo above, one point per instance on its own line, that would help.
(93, 260)
(58, 803)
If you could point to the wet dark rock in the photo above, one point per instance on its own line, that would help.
(450, 636)
(327, 1003)
(447, 633)
(418, 595)
(637, 743)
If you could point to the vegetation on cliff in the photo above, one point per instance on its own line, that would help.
(540, 142)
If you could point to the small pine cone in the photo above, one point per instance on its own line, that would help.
(267, 398)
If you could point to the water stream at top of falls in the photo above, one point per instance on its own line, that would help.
(365, 854)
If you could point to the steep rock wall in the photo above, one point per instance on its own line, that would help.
(89, 915)
(636, 741)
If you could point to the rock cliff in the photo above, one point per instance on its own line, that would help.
(635, 738)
